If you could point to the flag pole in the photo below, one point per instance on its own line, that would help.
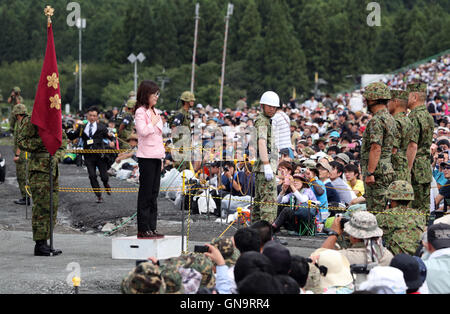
(51, 200)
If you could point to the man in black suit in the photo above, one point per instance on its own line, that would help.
(94, 135)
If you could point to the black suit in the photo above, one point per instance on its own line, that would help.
(94, 161)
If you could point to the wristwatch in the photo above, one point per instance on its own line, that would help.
(332, 232)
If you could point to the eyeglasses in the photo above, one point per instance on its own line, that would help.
(157, 94)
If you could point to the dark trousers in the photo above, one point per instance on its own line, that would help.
(287, 216)
(92, 163)
(149, 184)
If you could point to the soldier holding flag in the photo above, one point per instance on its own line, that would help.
(41, 136)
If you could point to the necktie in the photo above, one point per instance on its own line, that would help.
(90, 130)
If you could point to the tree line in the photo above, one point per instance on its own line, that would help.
(272, 44)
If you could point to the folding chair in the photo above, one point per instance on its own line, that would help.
(308, 227)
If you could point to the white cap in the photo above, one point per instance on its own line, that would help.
(271, 99)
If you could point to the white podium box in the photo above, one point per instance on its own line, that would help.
(133, 248)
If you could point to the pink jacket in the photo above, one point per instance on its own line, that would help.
(150, 139)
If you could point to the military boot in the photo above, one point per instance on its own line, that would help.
(23, 201)
(43, 249)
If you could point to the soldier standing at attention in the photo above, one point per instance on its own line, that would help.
(183, 138)
(377, 145)
(265, 207)
(19, 112)
(126, 125)
(397, 108)
(419, 152)
(28, 139)
(402, 226)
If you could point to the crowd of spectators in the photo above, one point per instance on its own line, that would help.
(252, 263)
(319, 142)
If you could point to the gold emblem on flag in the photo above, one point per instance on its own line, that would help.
(53, 81)
(55, 102)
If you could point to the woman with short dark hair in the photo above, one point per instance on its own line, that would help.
(150, 154)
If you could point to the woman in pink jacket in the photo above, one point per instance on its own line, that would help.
(150, 154)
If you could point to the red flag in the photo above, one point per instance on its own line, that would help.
(47, 104)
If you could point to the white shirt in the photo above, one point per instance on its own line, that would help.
(282, 130)
(94, 128)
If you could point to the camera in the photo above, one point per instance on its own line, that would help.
(201, 249)
(441, 156)
(359, 269)
(343, 220)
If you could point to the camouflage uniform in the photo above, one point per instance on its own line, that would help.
(173, 280)
(422, 135)
(399, 160)
(202, 264)
(128, 121)
(145, 278)
(265, 207)
(229, 252)
(21, 164)
(402, 226)
(12, 117)
(380, 130)
(198, 262)
(404, 128)
(38, 166)
(183, 139)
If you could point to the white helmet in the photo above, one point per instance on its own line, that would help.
(270, 99)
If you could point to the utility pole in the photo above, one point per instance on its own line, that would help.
(227, 20)
(194, 54)
(81, 24)
(163, 80)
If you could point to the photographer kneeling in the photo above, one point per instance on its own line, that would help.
(365, 238)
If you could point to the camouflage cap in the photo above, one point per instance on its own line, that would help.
(378, 90)
(363, 225)
(307, 151)
(294, 124)
(131, 94)
(399, 94)
(227, 249)
(144, 279)
(187, 96)
(173, 280)
(131, 103)
(417, 88)
(400, 190)
(204, 265)
(17, 89)
(19, 109)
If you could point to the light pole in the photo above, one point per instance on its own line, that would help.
(81, 24)
(163, 80)
(194, 54)
(133, 59)
(227, 20)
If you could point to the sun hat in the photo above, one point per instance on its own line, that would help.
(363, 225)
(335, 270)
